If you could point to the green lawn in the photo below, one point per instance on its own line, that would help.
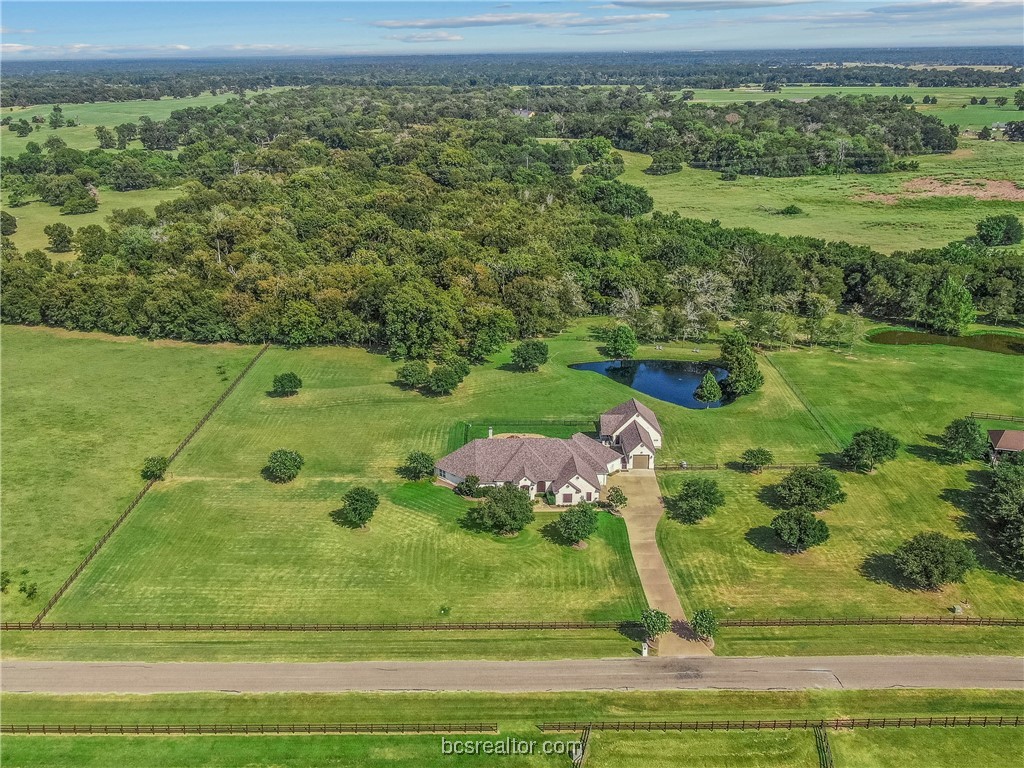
(732, 562)
(33, 217)
(79, 414)
(516, 715)
(841, 209)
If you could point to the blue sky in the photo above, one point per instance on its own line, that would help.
(90, 30)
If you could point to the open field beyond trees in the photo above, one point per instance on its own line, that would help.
(905, 210)
(516, 715)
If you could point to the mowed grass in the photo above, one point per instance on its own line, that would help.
(217, 542)
(80, 412)
(517, 716)
(733, 563)
(838, 209)
(34, 217)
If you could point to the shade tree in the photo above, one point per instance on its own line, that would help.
(930, 560)
(800, 529)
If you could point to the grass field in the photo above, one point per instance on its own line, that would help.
(33, 217)
(842, 209)
(954, 103)
(732, 562)
(516, 715)
(80, 412)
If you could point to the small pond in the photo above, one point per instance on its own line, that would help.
(671, 380)
(1003, 343)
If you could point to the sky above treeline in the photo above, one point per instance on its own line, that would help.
(37, 30)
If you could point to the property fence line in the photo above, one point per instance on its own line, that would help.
(580, 758)
(851, 621)
(950, 721)
(824, 748)
(443, 626)
(251, 729)
(690, 467)
(803, 401)
(141, 494)
(364, 627)
(997, 417)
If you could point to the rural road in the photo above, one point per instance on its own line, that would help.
(653, 673)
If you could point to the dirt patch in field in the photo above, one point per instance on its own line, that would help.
(979, 189)
(518, 434)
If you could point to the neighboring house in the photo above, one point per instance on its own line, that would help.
(573, 470)
(1004, 442)
(633, 430)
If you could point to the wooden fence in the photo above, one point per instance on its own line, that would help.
(364, 627)
(687, 468)
(852, 621)
(251, 729)
(141, 494)
(951, 721)
(821, 743)
(997, 417)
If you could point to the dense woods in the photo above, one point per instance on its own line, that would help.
(27, 83)
(433, 223)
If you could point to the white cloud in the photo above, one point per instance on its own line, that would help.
(10, 31)
(701, 5)
(439, 36)
(546, 20)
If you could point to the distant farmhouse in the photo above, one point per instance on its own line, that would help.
(573, 470)
(1004, 442)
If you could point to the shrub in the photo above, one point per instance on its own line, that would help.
(506, 511)
(930, 560)
(615, 498)
(756, 459)
(810, 489)
(414, 374)
(470, 486)
(78, 205)
(655, 622)
(869, 448)
(360, 504)
(286, 384)
(154, 467)
(446, 377)
(418, 465)
(5, 581)
(697, 498)
(1004, 229)
(577, 523)
(704, 623)
(800, 529)
(8, 224)
(790, 210)
(283, 466)
(529, 355)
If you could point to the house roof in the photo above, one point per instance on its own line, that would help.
(510, 459)
(1007, 439)
(634, 435)
(614, 418)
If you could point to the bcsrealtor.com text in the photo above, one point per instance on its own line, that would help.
(508, 746)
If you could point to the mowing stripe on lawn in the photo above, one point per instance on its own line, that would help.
(803, 401)
(135, 502)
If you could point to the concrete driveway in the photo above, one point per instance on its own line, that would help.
(642, 514)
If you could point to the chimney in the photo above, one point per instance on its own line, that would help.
(490, 432)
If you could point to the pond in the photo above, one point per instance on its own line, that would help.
(671, 380)
(1003, 343)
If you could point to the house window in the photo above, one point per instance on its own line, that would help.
(524, 488)
(541, 486)
(589, 496)
(567, 498)
(441, 473)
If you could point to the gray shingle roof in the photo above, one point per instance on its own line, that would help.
(615, 417)
(510, 459)
(1007, 439)
(634, 435)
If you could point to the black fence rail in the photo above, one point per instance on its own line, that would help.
(821, 743)
(951, 721)
(851, 621)
(997, 417)
(251, 729)
(686, 467)
(141, 494)
(364, 627)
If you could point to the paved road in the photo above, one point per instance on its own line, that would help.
(653, 673)
(642, 514)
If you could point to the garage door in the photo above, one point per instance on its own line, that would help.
(641, 462)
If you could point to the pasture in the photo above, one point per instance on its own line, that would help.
(936, 204)
(516, 715)
(80, 412)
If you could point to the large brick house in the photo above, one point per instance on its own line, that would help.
(573, 470)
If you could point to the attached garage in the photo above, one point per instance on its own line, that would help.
(641, 461)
